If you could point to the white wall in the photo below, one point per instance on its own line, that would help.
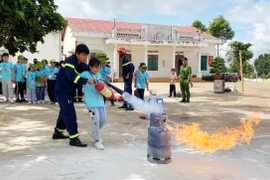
(94, 44)
(69, 42)
(51, 49)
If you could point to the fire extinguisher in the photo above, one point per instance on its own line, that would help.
(102, 89)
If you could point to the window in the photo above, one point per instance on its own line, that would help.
(153, 62)
(92, 55)
(203, 63)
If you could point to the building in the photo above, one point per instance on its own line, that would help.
(161, 47)
(50, 49)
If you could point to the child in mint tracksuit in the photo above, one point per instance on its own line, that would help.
(31, 85)
(40, 83)
(142, 81)
(94, 101)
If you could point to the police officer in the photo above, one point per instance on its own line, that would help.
(185, 78)
(128, 70)
(67, 78)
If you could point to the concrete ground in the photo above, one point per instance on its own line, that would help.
(27, 151)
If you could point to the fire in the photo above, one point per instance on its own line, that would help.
(223, 138)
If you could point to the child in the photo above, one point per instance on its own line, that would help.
(8, 78)
(20, 71)
(31, 84)
(94, 101)
(52, 71)
(105, 71)
(142, 81)
(40, 83)
(173, 79)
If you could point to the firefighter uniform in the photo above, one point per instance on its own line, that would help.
(128, 68)
(67, 79)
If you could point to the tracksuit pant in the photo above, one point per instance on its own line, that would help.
(172, 90)
(98, 119)
(140, 93)
(7, 90)
(40, 93)
(31, 95)
(20, 90)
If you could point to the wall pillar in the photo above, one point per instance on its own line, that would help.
(199, 63)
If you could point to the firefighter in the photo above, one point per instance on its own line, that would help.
(128, 70)
(67, 79)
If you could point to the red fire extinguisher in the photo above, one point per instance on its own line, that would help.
(102, 89)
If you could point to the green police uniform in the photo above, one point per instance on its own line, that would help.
(185, 73)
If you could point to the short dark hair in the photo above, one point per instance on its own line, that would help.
(5, 54)
(172, 69)
(185, 58)
(82, 48)
(94, 62)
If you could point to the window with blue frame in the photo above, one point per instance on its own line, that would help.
(204, 63)
(152, 62)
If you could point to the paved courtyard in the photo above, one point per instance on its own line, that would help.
(27, 151)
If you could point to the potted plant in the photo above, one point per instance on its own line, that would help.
(217, 68)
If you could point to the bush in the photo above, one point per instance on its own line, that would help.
(207, 78)
(218, 66)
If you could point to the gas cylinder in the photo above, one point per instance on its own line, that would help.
(159, 139)
(106, 92)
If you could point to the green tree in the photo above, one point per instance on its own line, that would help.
(102, 56)
(248, 69)
(24, 23)
(199, 25)
(262, 64)
(234, 57)
(218, 66)
(221, 28)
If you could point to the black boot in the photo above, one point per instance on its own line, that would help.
(76, 142)
(124, 106)
(112, 102)
(59, 135)
(130, 108)
(183, 101)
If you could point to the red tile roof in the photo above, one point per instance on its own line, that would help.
(107, 26)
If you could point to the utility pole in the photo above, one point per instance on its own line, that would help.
(241, 70)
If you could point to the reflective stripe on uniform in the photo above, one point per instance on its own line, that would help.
(74, 136)
(71, 66)
(60, 130)
(126, 64)
(76, 79)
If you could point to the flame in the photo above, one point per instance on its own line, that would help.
(223, 138)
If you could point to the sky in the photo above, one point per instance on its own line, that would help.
(250, 19)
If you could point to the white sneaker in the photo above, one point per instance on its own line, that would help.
(29, 102)
(38, 102)
(99, 145)
(56, 103)
(43, 102)
(34, 102)
(11, 101)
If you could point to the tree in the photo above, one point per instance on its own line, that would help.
(218, 66)
(234, 58)
(220, 28)
(248, 69)
(199, 25)
(262, 64)
(25, 23)
(102, 56)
